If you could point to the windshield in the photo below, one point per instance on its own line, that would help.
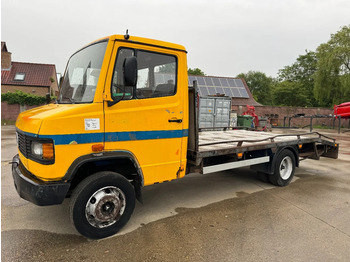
(82, 73)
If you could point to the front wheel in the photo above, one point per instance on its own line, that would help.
(284, 168)
(102, 204)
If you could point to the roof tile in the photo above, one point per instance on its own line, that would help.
(35, 74)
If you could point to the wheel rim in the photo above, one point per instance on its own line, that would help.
(105, 207)
(286, 167)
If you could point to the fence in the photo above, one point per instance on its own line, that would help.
(10, 112)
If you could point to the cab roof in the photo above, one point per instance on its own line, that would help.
(144, 41)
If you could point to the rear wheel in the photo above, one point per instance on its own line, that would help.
(102, 204)
(284, 168)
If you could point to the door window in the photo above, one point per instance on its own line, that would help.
(156, 76)
(118, 87)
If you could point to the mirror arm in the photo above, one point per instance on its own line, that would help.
(111, 103)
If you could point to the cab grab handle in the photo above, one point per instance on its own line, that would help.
(175, 120)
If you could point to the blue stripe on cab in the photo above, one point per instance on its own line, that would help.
(115, 136)
(78, 138)
(143, 135)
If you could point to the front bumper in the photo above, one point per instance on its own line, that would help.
(34, 190)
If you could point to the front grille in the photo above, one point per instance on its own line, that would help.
(23, 144)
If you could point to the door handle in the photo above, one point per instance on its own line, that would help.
(175, 120)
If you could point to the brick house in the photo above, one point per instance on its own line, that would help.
(38, 79)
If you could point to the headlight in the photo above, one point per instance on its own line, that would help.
(42, 150)
(37, 149)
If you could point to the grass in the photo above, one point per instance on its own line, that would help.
(322, 127)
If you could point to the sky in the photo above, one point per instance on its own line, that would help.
(222, 37)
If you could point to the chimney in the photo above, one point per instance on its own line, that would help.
(5, 57)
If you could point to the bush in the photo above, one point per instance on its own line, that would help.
(22, 98)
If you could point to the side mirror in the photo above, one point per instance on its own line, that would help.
(130, 80)
(130, 71)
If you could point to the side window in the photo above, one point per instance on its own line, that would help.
(118, 87)
(156, 75)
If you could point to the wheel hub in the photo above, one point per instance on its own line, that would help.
(108, 208)
(105, 207)
(286, 168)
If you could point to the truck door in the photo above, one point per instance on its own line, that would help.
(147, 122)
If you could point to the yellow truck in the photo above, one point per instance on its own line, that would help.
(126, 118)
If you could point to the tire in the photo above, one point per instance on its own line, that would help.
(102, 204)
(284, 169)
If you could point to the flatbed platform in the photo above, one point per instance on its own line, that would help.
(221, 140)
(217, 143)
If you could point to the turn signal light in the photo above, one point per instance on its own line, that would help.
(97, 148)
(48, 151)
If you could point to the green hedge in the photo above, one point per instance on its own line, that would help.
(19, 97)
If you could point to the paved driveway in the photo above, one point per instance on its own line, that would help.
(227, 216)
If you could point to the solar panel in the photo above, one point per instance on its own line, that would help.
(219, 90)
(200, 92)
(208, 86)
(203, 91)
(200, 81)
(231, 82)
(224, 82)
(208, 81)
(228, 92)
(244, 92)
(235, 92)
(239, 82)
(211, 90)
(190, 80)
(216, 81)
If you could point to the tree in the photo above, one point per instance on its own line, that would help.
(260, 85)
(302, 74)
(332, 78)
(287, 93)
(195, 71)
